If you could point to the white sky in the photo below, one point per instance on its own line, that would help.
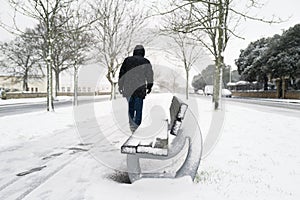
(250, 30)
(253, 30)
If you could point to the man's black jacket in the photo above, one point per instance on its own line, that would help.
(136, 75)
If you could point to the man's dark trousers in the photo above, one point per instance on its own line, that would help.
(135, 111)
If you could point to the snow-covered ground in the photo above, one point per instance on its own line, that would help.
(256, 157)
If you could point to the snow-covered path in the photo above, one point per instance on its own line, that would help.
(257, 157)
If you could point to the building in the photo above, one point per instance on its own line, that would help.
(14, 83)
(90, 79)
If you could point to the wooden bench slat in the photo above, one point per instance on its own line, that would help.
(177, 112)
(152, 150)
(130, 145)
(156, 145)
(182, 111)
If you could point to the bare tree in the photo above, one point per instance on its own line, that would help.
(20, 59)
(45, 13)
(189, 52)
(212, 23)
(75, 41)
(166, 79)
(118, 27)
(172, 81)
(80, 43)
(61, 53)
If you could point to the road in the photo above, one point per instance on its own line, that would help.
(282, 108)
(6, 110)
(270, 102)
(274, 103)
(14, 109)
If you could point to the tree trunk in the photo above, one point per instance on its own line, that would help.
(56, 83)
(111, 78)
(283, 88)
(265, 82)
(217, 84)
(75, 96)
(50, 106)
(112, 90)
(25, 77)
(219, 58)
(25, 82)
(278, 88)
(187, 84)
(115, 86)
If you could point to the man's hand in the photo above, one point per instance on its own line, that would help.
(148, 90)
(120, 91)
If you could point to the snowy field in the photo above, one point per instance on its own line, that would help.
(256, 157)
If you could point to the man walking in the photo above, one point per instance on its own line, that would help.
(135, 81)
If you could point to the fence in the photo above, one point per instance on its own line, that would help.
(266, 94)
(18, 95)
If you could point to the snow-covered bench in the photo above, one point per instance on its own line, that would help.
(164, 144)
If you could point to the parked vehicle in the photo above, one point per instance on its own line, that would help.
(201, 92)
(226, 93)
(209, 90)
(1, 90)
(2, 93)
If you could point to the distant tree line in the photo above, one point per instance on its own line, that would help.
(206, 77)
(274, 58)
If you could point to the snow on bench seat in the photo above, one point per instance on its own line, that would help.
(145, 142)
(130, 145)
